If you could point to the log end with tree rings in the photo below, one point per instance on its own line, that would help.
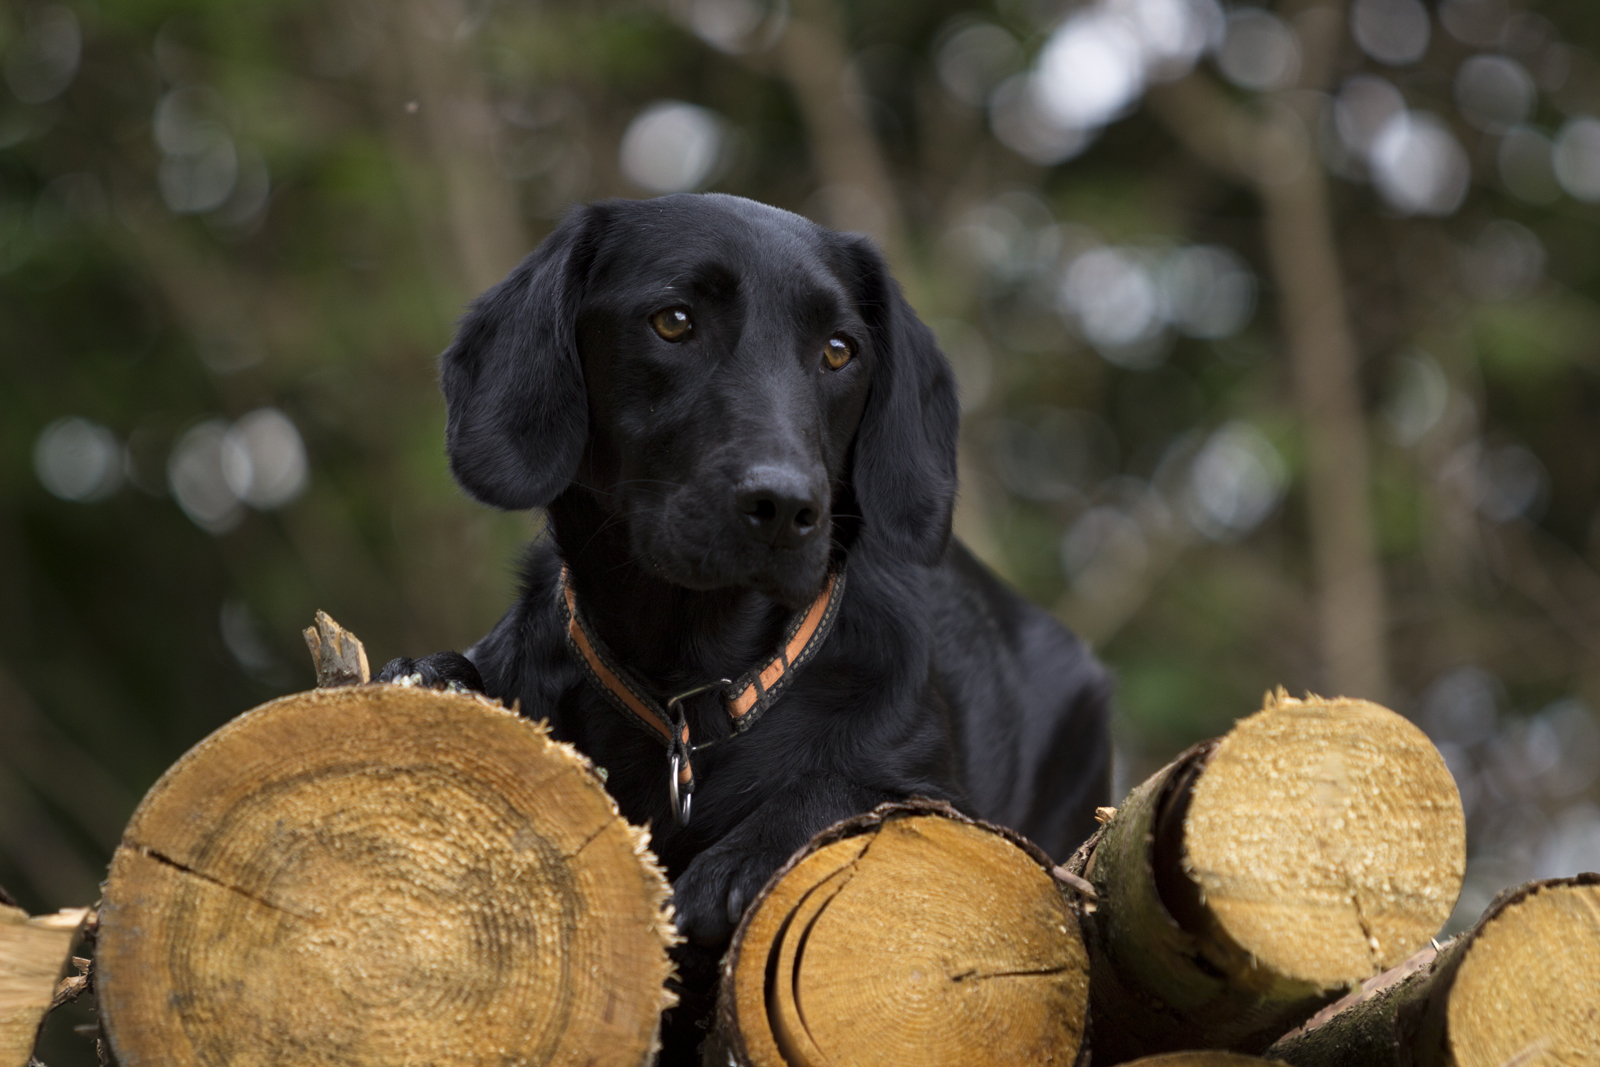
(1521, 987)
(1527, 990)
(912, 936)
(381, 874)
(1327, 838)
(1259, 876)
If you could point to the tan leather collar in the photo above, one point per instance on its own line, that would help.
(745, 699)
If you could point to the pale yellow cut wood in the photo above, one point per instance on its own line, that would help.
(33, 953)
(940, 941)
(1258, 876)
(381, 875)
(1528, 990)
(1327, 838)
(789, 1027)
(745, 988)
(1520, 989)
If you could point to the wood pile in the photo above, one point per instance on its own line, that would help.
(1244, 886)
(1259, 876)
(389, 875)
(1521, 987)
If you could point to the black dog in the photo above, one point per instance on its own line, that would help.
(746, 441)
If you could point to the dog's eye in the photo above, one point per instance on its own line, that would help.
(672, 324)
(837, 352)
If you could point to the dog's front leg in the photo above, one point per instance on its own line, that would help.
(710, 896)
(442, 670)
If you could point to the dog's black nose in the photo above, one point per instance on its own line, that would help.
(778, 505)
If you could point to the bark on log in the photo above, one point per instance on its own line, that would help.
(381, 874)
(1206, 1058)
(1522, 987)
(913, 936)
(33, 954)
(1261, 875)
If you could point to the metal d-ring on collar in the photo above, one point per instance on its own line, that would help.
(679, 751)
(746, 699)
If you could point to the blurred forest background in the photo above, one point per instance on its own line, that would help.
(1278, 330)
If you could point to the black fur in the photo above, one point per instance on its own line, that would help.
(936, 681)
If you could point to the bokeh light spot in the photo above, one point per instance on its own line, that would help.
(1089, 71)
(1419, 166)
(1577, 158)
(1260, 51)
(672, 147)
(43, 59)
(1391, 31)
(1494, 93)
(1236, 481)
(196, 477)
(76, 459)
(264, 460)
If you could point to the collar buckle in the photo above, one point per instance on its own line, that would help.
(746, 700)
(680, 767)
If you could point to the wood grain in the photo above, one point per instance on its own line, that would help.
(1259, 876)
(381, 875)
(912, 936)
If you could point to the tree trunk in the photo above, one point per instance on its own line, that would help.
(33, 953)
(911, 936)
(1260, 875)
(854, 177)
(1521, 987)
(1272, 151)
(381, 874)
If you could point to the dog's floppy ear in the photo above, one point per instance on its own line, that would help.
(904, 466)
(517, 414)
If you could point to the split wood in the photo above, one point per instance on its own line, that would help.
(1521, 988)
(1260, 876)
(33, 954)
(913, 936)
(378, 875)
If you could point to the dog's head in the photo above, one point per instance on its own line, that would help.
(745, 390)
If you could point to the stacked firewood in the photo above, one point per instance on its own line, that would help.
(389, 875)
(1273, 893)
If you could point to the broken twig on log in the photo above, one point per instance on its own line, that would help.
(33, 953)
(339, 656)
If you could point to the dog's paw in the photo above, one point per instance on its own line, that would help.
(450, 671)
(710, 896)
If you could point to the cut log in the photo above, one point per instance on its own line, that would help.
(381, 875)
(913, 936)
(33, 954)
(1521, 987)
(1260, 876)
